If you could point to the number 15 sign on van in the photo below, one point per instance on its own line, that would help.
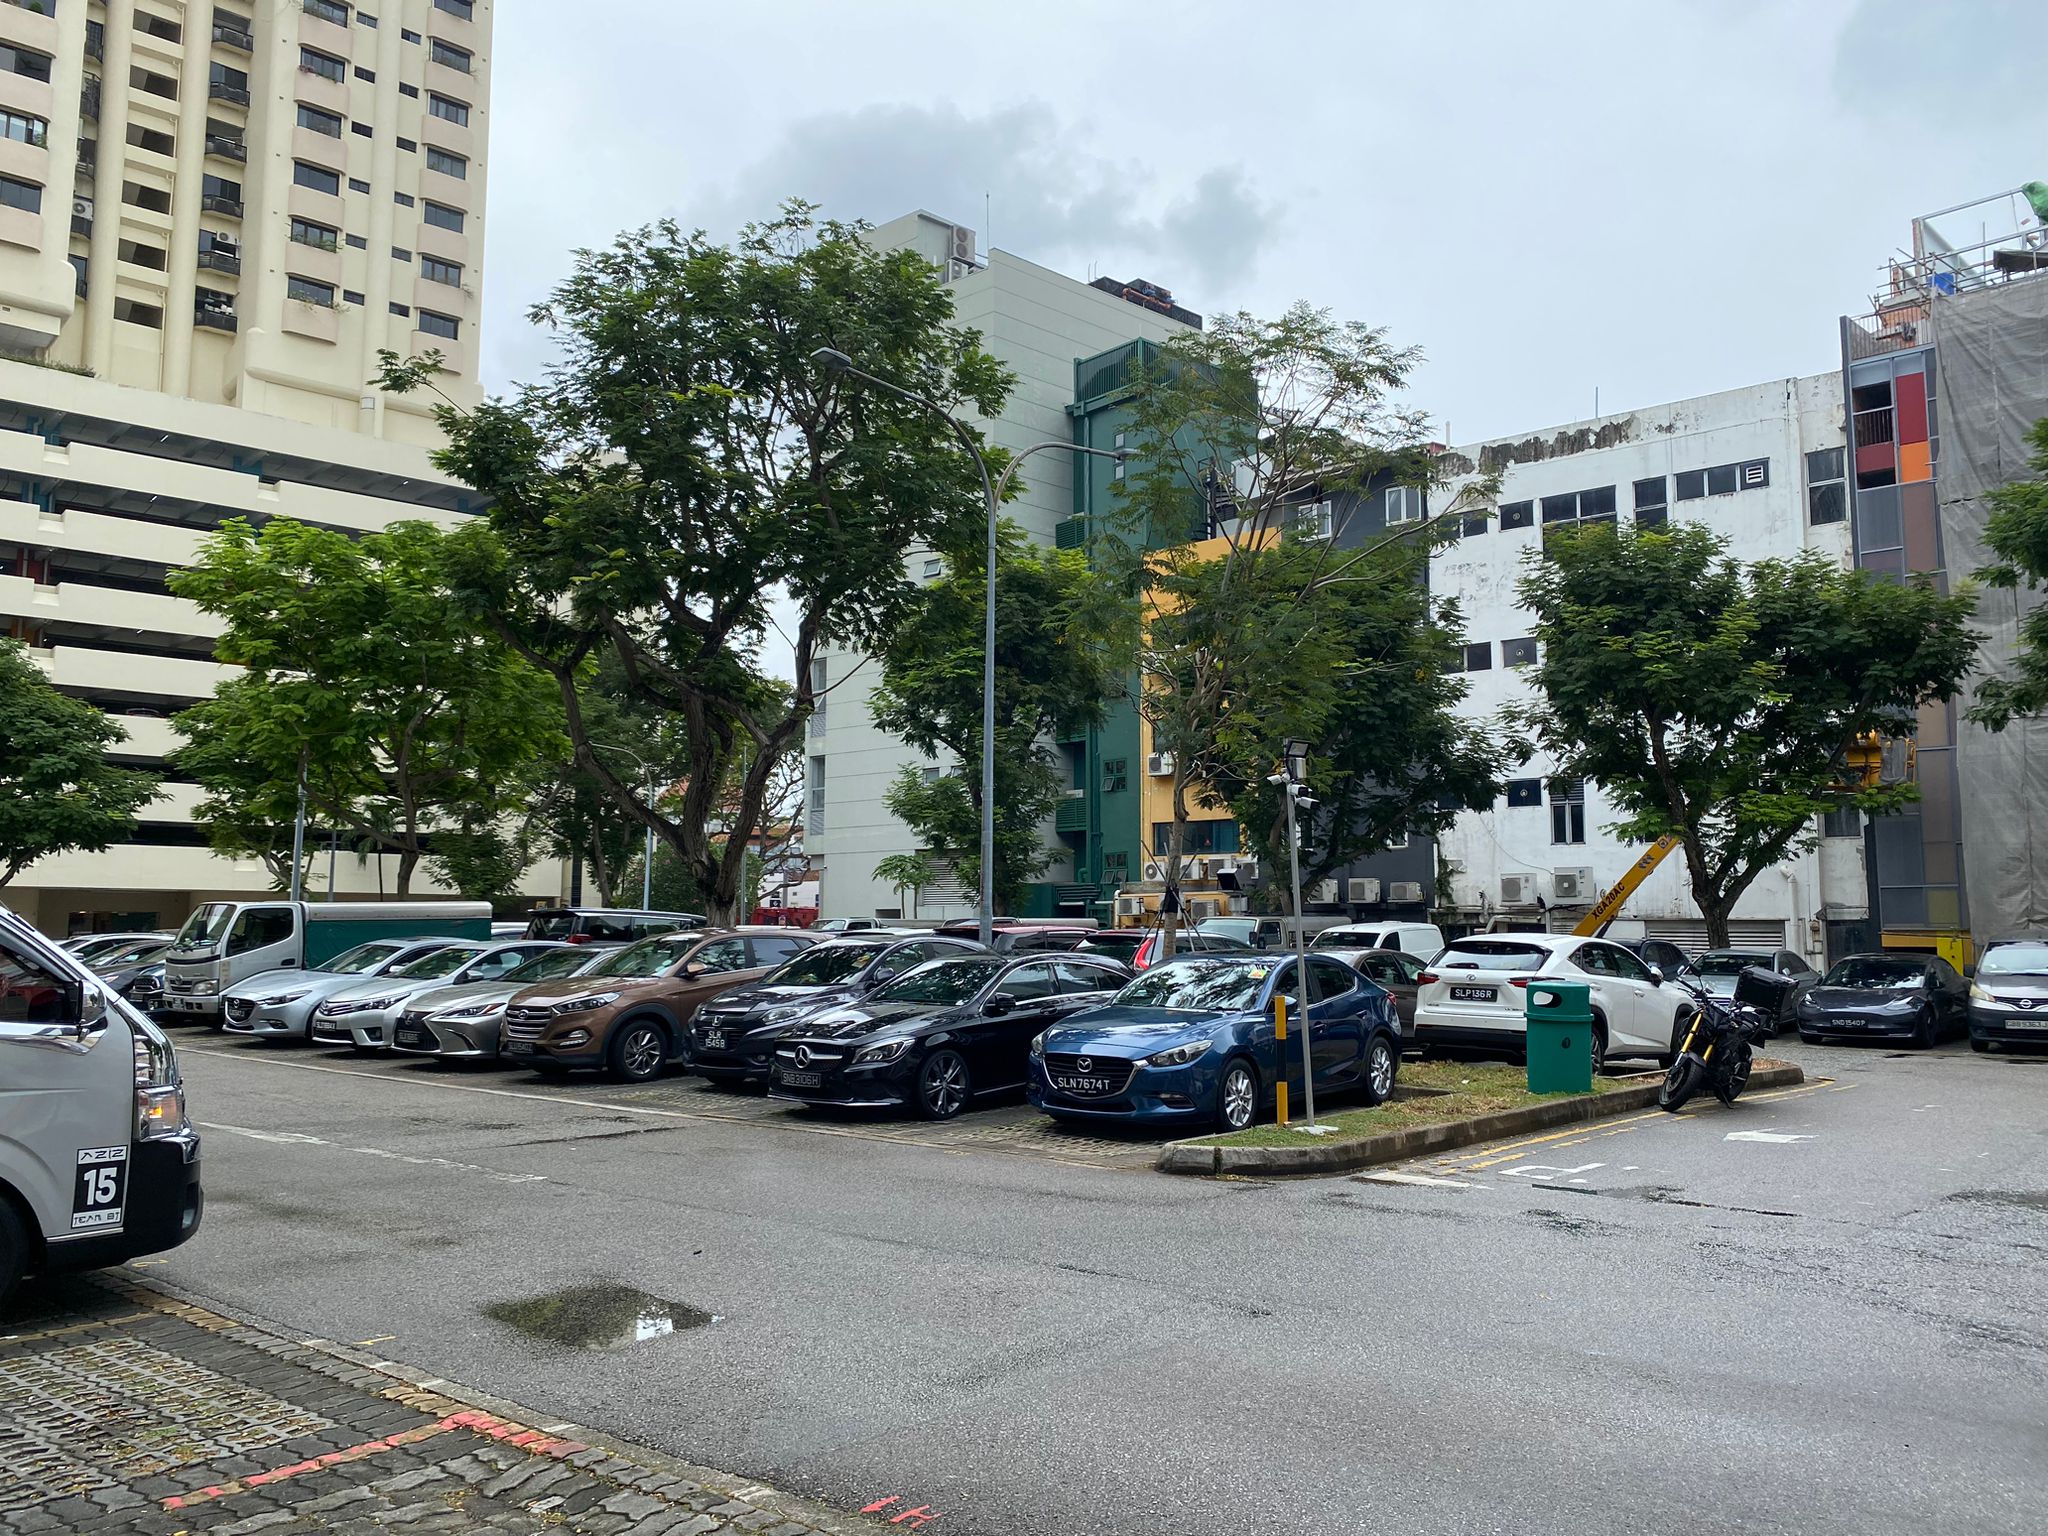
(102, 1188)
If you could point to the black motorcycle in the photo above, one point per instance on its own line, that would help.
(1719, 1042)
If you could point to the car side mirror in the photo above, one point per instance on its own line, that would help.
(87, 1003)
(999, 1004)
(1656, 975)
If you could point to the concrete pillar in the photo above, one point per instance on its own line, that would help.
(112, 170)
(183, 269)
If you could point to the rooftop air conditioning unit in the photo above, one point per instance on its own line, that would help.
(1160, 765)
(1155, 870)
(1518, 890)
(963, 245)
(1405, 891)
(1572, 884)
(1362, 891)
(1130, 906)
(1323, 893)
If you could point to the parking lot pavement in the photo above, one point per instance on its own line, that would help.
(123, 1408)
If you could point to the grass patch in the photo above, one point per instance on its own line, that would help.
(1470, 1088)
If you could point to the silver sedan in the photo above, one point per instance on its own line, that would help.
(364, 1014)
(463, 1020)
(279, 1004)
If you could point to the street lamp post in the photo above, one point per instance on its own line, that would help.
(1291, 781)
(834, 361)
(647, 782)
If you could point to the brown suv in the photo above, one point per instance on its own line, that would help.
(627, 1013)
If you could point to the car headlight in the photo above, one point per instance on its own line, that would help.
(476, 1010)
(880, 1051)
(1038, 1042)
(277, 999)
(159, 1097)
(1977, 991)
(585, 1004)
(1177, 1056)
(783, 1014)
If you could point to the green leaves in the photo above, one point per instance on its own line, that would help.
(2017, 532)
(58, 792)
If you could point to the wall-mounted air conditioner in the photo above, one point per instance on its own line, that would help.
(1155, 870)
(1197, 910)
(1159, 765)
(1518, 890)
(1323, 893)
(1572, 884)
(1130, 906)
(1405, 891)
(1364, 892)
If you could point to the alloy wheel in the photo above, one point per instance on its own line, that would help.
(945, 1086)
(640, 1053)
(1380, 1070)
(1238, 1097)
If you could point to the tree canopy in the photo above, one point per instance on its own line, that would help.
(1717, 700)
(686, 480)
(58, 792)
(2017, 532)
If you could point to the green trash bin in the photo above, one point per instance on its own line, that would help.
(1560, 1026)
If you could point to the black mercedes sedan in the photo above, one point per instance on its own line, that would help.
(733, 1035)
(946, 1033)
(1896, 994)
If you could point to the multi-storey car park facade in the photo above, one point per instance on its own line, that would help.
(212, 217)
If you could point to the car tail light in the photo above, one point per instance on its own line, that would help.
(1143, 958)
(1426, 978)
(577, 938)
(1519, 981)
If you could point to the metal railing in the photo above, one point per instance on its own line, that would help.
(214, 259)
(220, 90)
(2010, 244)
(234, 37)
(226, 148)
(216, 319)
(215, 203)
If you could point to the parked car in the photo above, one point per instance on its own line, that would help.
(281, 1003)
(1474, 995)
(629, 1013)
(1192, 1040)
(86, 948)
(1662, 953)
(2009, 998)
(604, 925)
(1268, 932)
(1425, 941)
(1400, 974)
(508, 928)
(463, 1019)
(940, 1035)
(364, 1013)
(131, 965)
(1139, 948)
(1886, 995)
(837, 925)
(1023, 937)
(734, 1037)
(1717, 971)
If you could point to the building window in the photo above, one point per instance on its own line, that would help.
(409, 146)
(1402, 503)
(136, 254)
(814, 793)
(1827, 493)
(308, 290)
(931, 567)
(441, 216)
(328, 123)
(1518, 514)
(227, 84)
(1691, 484)
(462, 8)
(24, 129)
(362, 130)
(306, 232)
(154, 83)
(409, 90)
(139, 314)
(350, 296)
(1473, 526)
(447, 164)
(1197, 837)
(408, 35)
(1398, 841)
(404, 312)
(157, 200)
(448, 55)
(400, 253)
(220, 187)
(403, 199)
(325, 65)
(1518, 653)
(1116, 775)
(1567, 810)
(25, 61)
(368, 76)
(357, 184)
(1722, 480)
(356, 242)
(448, 109)
(1525, 792)
(435, 270)
(25, 195)
(1310, 521)
(1842, 821)
(1594, 506)
(328, 10)
(1479, 656)
(78, 265)
(157, 26)
(316, 177)
(366, 19)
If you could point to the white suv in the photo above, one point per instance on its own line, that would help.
(1475, 994)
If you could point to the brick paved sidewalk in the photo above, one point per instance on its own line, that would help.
(123, 1408)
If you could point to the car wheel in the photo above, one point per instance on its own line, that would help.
(1599, 1045)
(942, 1086)
(1237, 1095)
(1382, 1062)
(638, 1051)
(13, 1250)
(1927, 1030)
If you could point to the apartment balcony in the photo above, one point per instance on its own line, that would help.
(214, 319)
(230, 206)
(226, 148)
(89, 98)
(234, 37)
(220, 90)
(87, 669)
(113, 609)
(218, 260)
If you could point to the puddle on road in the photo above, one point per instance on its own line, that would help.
(598, 1316)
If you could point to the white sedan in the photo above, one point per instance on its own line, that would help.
(1475, 994)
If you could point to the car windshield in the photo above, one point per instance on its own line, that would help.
(203, 929)
(551, 925)
(1491, 955)
(825, 965)
(130, 954)
(650, 957)
(442, 962)
(364, 957)
(1199, 986)
(1729, 963)
(1125, 943)
(949, 981)
(1875, 971)
(554, 964)
(2015, 960)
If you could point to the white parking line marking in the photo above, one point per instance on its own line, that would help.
(299, 1138)
(1775, 1138)
(1543, 1173)
(1417, 1178)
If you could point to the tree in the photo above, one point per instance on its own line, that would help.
(1239, 428)
(686, 462)
(1718, 701)
(406, 720)
(58, 792)
(1056, 666)
(2017, 532)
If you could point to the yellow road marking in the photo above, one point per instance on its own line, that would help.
(382, 1338)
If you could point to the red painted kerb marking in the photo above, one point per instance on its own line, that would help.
(481, 1423)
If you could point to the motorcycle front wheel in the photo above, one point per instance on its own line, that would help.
(1735, 1078)
(1680, 1083)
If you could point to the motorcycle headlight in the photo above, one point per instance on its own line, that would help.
(1176, 1056)
(585, 1004)
(880, 1051)
(1038, 1043)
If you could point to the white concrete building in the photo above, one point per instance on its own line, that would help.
(1039, 323)
(1763, 465)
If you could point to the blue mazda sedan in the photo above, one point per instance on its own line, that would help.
(1192, 1041)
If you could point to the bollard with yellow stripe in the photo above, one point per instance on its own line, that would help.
(1280, 1040)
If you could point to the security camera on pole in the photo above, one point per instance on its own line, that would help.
(1290, 780)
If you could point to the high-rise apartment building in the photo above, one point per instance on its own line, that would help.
(212, 218)
(242, 203)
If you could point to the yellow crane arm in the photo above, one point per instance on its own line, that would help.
(1616, 896)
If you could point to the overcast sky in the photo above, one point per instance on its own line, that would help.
(1654, 200)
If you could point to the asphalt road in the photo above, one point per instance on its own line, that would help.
(1637, 1326)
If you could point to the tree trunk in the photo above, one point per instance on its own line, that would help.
(408, 859)
(1176, 839)
(1716, 914)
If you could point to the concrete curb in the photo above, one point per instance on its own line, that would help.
(1316, 1156)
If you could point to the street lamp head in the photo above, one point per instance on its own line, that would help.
(832, 360)
(1296, 755)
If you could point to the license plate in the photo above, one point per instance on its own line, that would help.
(2027, 1024)
(1474, 994)
(518, 1047)
(411, 1036)
(1081, 1084)
(801, 1079)
(188, 1005)
(714, 1039)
